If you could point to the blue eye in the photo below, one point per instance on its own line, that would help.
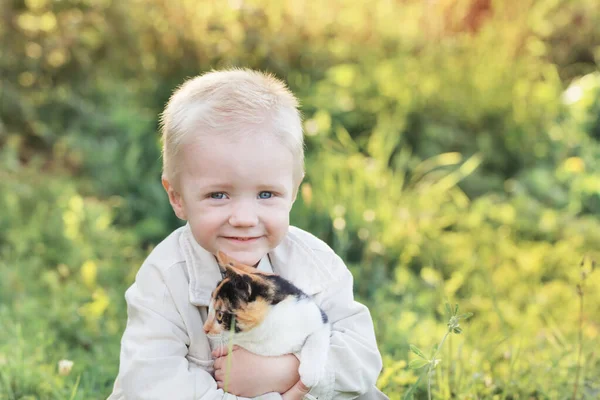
(217, 195)
(265, 195)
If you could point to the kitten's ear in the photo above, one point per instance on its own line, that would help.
(243, 285)
(224, 260)
(231, 272)
(241, 280)
(226, 264)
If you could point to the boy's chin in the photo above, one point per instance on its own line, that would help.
(249, 253)
(250, 258)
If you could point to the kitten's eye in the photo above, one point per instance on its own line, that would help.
(219, 316)
(217, 195)
(265, 195)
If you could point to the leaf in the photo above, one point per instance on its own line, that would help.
(417, 351)
(471, 164)
(457, 330)
(465, 315)
(409, 393)
(344, 74)
(448, 309)
(418, 363)
(75, 388)
(455, 309)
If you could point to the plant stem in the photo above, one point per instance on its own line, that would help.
(432, 365)
(74, 391)
(450, 367)
(580, 345)
(229, 351)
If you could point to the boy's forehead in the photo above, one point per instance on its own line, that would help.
(236, 133)
(218, 161)
(238, 148)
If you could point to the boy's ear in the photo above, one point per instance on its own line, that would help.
(175, 199)
(297, 189)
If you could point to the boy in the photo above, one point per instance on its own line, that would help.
(233, 160)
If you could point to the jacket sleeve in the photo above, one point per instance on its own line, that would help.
(354, 362)
(153, 361)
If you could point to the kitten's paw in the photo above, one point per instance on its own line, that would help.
(310, 377)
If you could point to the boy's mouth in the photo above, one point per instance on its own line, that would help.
(241, 239)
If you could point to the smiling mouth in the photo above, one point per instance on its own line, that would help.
(241, 239)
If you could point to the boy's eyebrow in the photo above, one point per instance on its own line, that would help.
(276, 188)
(216, 187)
(212, 187)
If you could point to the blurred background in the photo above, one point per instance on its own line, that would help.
(452, 156)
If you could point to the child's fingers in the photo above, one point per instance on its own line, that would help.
(296, 392)
(302, 388)
(222, 351)
(217, 352)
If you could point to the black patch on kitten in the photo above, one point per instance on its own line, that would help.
(226, 322)
(236, 290)
(284, 289)
(259, 289)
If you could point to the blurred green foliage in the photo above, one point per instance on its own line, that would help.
(452, 151)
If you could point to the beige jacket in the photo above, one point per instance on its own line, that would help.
(165, 353)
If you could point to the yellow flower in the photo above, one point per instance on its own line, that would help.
(574, 165)
(89, 270)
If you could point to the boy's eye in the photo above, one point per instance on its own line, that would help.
(265, 195)
(217, 195)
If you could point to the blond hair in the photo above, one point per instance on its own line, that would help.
(233, 102)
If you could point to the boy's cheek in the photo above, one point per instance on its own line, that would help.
(207, 219)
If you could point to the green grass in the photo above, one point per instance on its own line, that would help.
(65, 270)
(454, 158)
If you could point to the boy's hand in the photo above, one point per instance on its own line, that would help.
(297, 392)
(252, 375)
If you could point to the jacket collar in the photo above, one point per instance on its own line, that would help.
(292, 259)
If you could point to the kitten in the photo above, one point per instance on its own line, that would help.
(269, 316)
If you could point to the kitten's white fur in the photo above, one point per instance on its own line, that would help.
(291, 326)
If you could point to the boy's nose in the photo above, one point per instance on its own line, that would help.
(243, 215)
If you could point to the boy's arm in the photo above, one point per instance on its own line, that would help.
(354, 362)
(153, 362)
(250, 375)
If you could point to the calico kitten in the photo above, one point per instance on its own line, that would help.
(269, 316)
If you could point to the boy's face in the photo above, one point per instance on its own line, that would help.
(235, 194)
